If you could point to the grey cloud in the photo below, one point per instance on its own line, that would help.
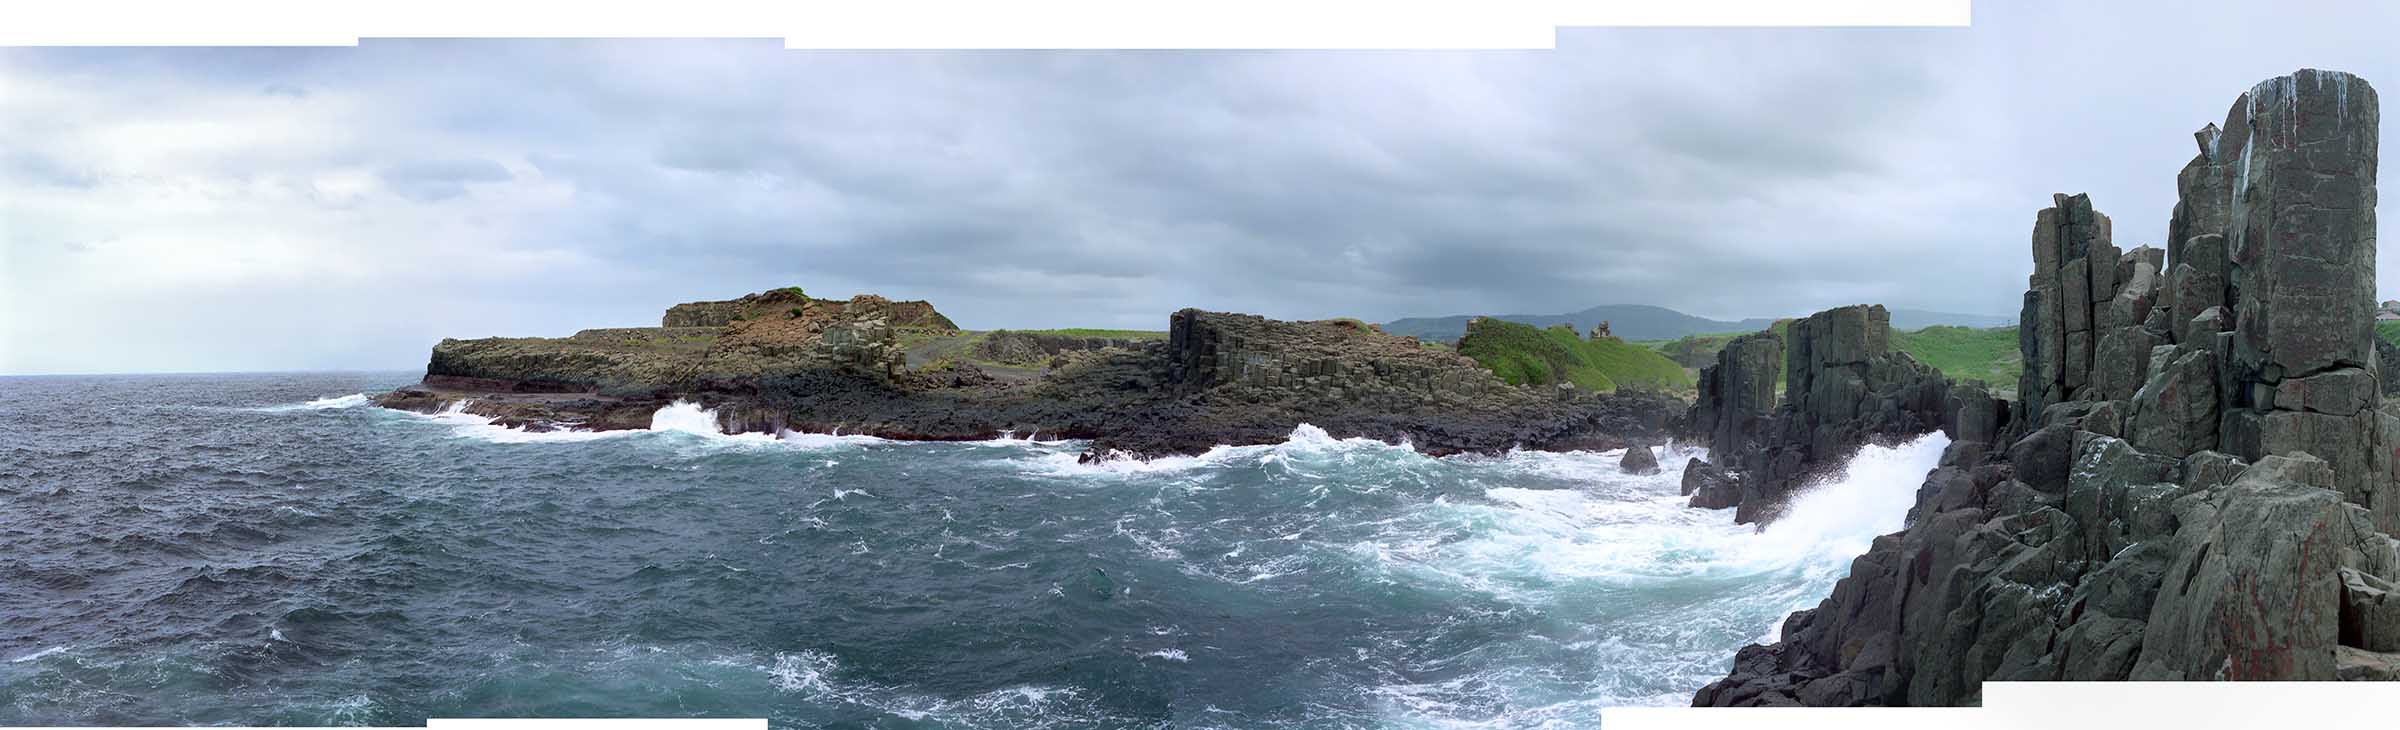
(1726, 172)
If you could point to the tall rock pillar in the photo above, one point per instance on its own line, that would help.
(2298, 367)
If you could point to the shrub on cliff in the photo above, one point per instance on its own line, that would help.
(1523, 355)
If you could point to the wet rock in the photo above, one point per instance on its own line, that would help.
(1844, 387)
(1638, 460)
(1710, 487)
(1737, 393)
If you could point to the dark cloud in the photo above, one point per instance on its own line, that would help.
(533, 187)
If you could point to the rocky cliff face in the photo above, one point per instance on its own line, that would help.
(1844, 387)
(1215, 349)
(770, 333)
(2198, 482)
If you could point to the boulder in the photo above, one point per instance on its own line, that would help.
(1638, 460)
(1710, 487)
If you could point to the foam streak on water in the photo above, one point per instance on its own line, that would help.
(198, 554)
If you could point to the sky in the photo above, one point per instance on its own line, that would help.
(226, 209)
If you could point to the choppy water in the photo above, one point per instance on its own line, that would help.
(268, 549)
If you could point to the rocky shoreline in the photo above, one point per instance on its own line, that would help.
(781, 361)
(2199, 480)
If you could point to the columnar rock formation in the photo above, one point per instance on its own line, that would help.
(2084, 308)
(2198, 480)
(1844, 387)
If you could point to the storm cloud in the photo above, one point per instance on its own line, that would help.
(227, 209)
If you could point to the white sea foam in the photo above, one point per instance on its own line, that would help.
(38, 655)
(687, 417)
(1305, 442)
(340, 401)
(816, 676)
(1837, 520)
(1669, 575)
(681, 417)
(469, 425)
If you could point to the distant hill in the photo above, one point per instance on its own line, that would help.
(1645, 322)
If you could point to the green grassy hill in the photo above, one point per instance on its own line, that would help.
(1524, 355)
(2389, 331)
(1963, 353)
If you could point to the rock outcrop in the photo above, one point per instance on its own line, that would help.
(2197, 482)
(1038, 348)
(1844, 387)
(1638, 460)
(782, 361)
(771, 333)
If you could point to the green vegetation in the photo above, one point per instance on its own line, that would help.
(1523, 355)
(1965, 353)
(1697, 351)
(792, 290)
(2389, 331)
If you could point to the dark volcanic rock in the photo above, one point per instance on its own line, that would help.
(1844, 388)
(1037, 348)
(1638, 460)
(2227, 519)
(786, 362)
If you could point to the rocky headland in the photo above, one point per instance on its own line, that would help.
(782, 361)
(2198, 479)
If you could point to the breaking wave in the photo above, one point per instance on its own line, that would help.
(395, 567)
(340, 401)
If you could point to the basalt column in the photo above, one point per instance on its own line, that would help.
(2299, 365)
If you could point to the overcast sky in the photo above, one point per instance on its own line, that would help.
(270, 209)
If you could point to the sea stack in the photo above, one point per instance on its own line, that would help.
(1844, 387)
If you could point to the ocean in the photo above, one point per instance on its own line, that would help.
(271, 549)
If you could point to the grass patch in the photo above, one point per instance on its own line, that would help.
(1966, 353)
(2389, 331)
(1523, 355)
(1962, 353)
(1107, 333)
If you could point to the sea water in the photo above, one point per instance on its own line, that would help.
(273, 549)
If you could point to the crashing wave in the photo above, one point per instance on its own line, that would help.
(340, 401)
